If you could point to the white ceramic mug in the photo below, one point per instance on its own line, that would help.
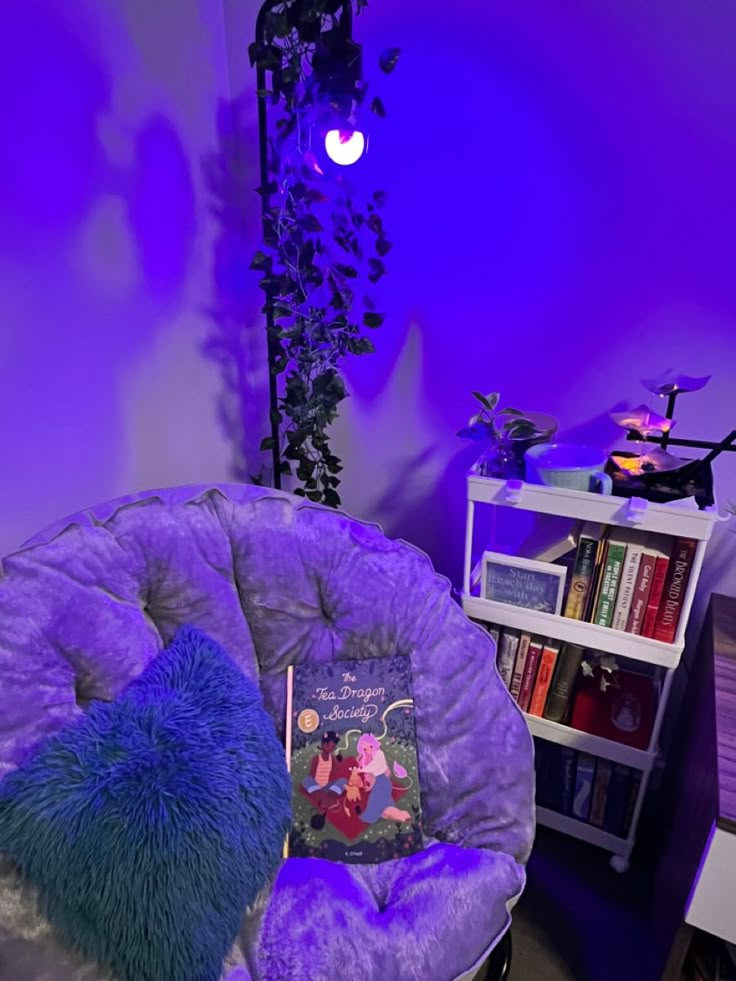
(568, 465)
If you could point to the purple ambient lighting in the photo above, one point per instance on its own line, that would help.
(344, 148)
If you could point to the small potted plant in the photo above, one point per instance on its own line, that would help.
(510, 432)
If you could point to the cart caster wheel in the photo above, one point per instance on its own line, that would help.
(619, 864)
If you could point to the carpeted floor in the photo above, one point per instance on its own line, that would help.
(579, 920)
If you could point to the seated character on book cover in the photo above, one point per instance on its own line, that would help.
(377, 776)
(354, 789)
(322, 786)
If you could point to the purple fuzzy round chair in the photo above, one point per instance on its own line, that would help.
(85, 606)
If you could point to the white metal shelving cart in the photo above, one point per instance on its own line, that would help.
(673, 520)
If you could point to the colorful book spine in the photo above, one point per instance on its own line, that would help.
(595, 591)
(507, 648)
(530, 672)
(568, 779)
(600, 792)
(644, 577)
(629, 575)
(673, 594)
(609, 587)
(568, 666)
(547, 665)
(617, 800)
(584, 775)
(655, 594)
(520, 665)
(584, 570)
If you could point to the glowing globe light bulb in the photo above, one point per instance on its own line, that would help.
(344, 148)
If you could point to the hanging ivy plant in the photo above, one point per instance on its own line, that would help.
(324, 243)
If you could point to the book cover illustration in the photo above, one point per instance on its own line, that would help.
(353, 761)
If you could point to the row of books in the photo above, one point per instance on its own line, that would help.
(586, 787)
(539, 672)
(545, 677)
(630, 580)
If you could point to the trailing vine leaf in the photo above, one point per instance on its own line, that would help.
(350, 272)
(314, 231)
(389, 60)
(261, 261)
(310, 223)
(378, 107)
(377, 269)
(373, 319)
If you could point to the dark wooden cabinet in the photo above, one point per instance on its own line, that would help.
(697, 811)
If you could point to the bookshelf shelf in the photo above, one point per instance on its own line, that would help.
(579, 829)
(639, 759)
(582, 506)
(575, 632)
(675, 521)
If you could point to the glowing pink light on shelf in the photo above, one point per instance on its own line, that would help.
(345, 148)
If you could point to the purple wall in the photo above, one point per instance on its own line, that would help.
(561, 203)
(105, 252)
(562, 199)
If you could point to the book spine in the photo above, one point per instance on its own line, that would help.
(507, 655)
(595, 586)
(655, 595)
(629, 574)
(582, 578)
(288, 737)
(495, 635)
(568, 779)
(544, 679)
(673, 594)
(600, 792)
(548, 772)
(530, 673)
(568, 665)
(617, 799)
(609, 588)
(631, 802)
(641, 593)
(584, 774)
(520, 665)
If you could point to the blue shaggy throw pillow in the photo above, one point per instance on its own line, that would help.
(149, 825)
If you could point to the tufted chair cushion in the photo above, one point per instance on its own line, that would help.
(87, 604)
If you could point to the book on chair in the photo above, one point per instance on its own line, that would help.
(351, 749)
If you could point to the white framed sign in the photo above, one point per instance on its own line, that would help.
(528, 583)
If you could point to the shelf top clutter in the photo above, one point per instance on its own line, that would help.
(682, 518)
